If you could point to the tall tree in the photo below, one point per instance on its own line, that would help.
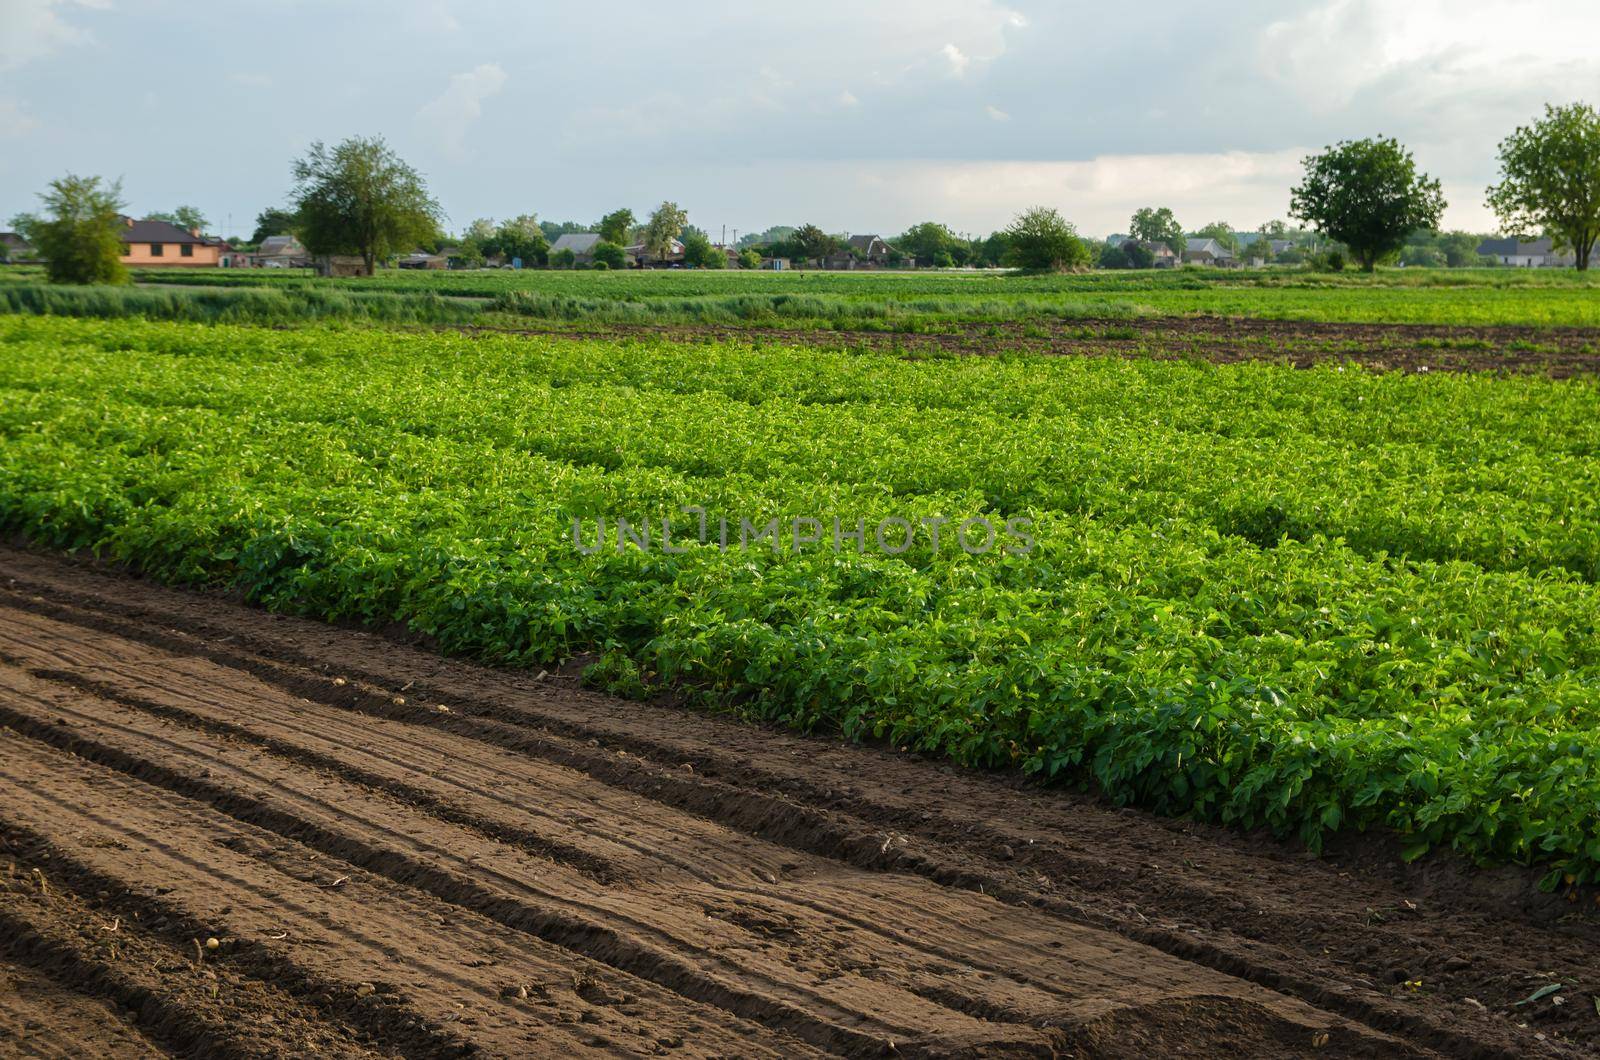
(1041, 239)
(699, 252)
(361, 198)
(931, 243)
(1550, 180)
(1157, 226)
(813, 243)
(662, 228)
(1368, 195)
(617, 226)
(274, 222)
(521, 237)
(80, 238)
(188, 218)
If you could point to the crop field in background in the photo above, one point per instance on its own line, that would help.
(1309, 600)
(844, 301)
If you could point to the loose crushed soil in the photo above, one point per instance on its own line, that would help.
(224, 832)
(1556, 352)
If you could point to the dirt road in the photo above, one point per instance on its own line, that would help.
(232, 833)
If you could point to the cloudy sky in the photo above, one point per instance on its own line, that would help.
(858, 115)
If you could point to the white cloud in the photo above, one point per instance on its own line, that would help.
(958, 59)
(14, 120)
(996, 113)
(448, 118)
(1334, 52)
(250, 79)
(35, 29)
(848, 99)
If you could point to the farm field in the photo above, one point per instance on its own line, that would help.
(1293, 603)
(883, 302)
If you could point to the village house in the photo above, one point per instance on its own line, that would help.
(1206, 252)
(870, 250)
(1538, 254)
(1161, 255)
(282, 252)
(581, 244)
(159, 243)
(641, 258)
(17, 249)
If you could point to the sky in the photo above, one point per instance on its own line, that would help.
(856, 115)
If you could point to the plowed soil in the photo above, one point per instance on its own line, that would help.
(224, 832)
(1555, 352)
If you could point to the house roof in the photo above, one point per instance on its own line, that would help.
(1197, 245)
(11, 239)
(865, 242)
(639, 248)
(1511, 246)
(280, 245)
(156, 232)
(577, 242)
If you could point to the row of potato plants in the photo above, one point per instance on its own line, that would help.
(1395, 658)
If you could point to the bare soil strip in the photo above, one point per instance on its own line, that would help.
(1556, 352)
(399, 854)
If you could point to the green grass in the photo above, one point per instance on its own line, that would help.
(1302, 600)
(1468, 297)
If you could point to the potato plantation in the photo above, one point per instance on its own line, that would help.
(1306, 600)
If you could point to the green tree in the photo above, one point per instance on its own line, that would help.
(1157, 226)
(1222, 232)
(611, 254)
(699, 253)
(1550, 180)
(274, 222)
(188, 218)
(1042, 240)
(478, 242)
(749, 258)
(80, 238)
(617, 226)
(563, 259)
(662, 228)
(812, 243)
(930, 242)
(1460, 249)
(521, 237)
(361, 198)
(1368, 195)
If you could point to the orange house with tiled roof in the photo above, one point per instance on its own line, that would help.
(154, 243)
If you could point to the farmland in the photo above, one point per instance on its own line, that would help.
(885, 302)
(1301, 596)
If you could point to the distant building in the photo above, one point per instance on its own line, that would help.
(638, 256)
(870, 250)
(282, 252)
(17, 249)
(421, 259)
(161, 243)
(340, 265)
(228, 257)
(1206, 252)
(1538, 254)
(580, 243)
(1161, 255)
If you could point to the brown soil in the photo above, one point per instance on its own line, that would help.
(399, 854)
(1557, 352)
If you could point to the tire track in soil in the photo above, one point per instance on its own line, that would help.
(884, 1013)
(930, 821)
(434, 980)
(41, 1018)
